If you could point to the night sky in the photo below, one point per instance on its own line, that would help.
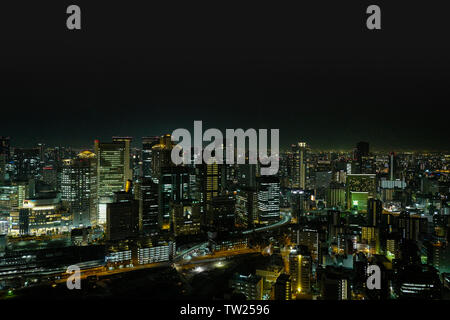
(313, 71)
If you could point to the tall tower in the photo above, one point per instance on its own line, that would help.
(173, 188)
(268, 198)
(300, 270)
(127, 165)
(148, 206)
(110, 167)
(374, 212)
(302, 164)
(212, 181)
(78, 188)
(392, 166)
(111, 172)
(161, 156)
(147, 145)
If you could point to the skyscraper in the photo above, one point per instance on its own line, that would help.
(128, 173)
(209, 180)
(268, 198)
(300, 265)
(173, 188)
(246, 207)
(147, 145)
(148, 206)
(392, 166)
(79, 188)
(302, 164)
(298, 166)
(111, 172)
(283, 287)
(374, 212)
(186, 218)
(161, 156)
(122, 217)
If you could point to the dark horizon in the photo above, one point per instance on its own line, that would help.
(318, 78)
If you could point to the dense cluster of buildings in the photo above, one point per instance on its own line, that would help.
(131, 205)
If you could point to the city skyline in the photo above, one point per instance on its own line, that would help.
(330, 86)
(327, 177)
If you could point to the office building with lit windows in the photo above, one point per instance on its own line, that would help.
(283, 287)
(360, 187)
(79, 188)
(300, 270)
(251, 286)
(268, 198)
(112, 172)
(173, 188)
(186, 218)
(147, 156)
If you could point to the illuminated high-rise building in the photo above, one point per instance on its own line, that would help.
(371, 236)
(147, 158)
(251, 286)
(112, 172)
(335, 284)
(393, 166)
(246, 207)
(147, 194)
(283, 287)
(161, 156)
(300, 270)
(374, 212)
(173, 188)
(302, 164)
(40, 216)
(212, 181)
(268, 198)
(299, 169)
(79, 188)
(360, 187)
(336, 196)
(128, 172)
(309, 238)
(186, 218)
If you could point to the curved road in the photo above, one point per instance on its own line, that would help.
(285, 219)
